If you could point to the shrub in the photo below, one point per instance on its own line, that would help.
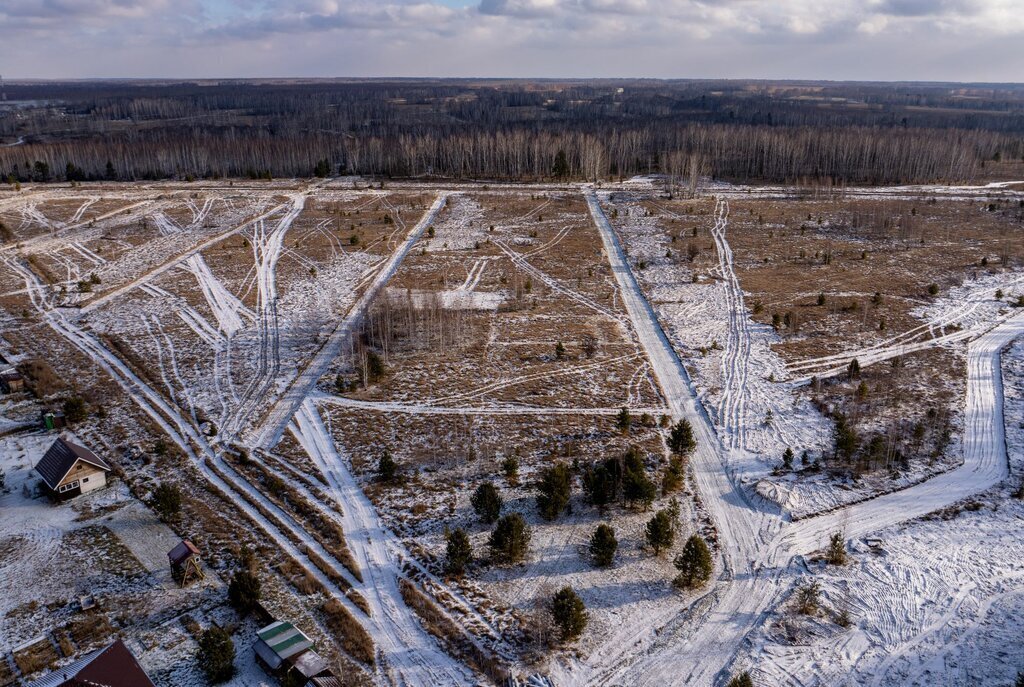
(569, 612)
(217, 655)
(486, 502)
(75, 409)
(741, 680)
(694, 564)
(603, 546)
(933, 289)
(510, 539)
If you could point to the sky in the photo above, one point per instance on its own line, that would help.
(890, 40)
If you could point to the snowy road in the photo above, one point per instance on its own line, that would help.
(759, 547)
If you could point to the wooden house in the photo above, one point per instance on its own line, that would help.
(68, 470)
(284, 650)
(186, 563)
(113, 666)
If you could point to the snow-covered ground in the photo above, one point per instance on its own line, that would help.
(940, 603)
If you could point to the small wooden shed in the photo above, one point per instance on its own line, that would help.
(186, 563)
(11, 381)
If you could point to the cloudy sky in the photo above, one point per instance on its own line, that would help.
(946, 40)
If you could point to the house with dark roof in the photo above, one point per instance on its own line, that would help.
(68, 470)
(283, 649)
(113, 666)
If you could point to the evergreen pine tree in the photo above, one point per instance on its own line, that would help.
(510, 539)
(244, 592)
(637, 488)
(487, 502)
(216, 655)
(787, 459)
(694, 563)
(570, 613)
(458, 554)
(167, 501)
(555, 489)
(661, 531)
(387, 468)
(603, 545)
(681, 440)
(836, 554)
(561, 166)
(623, 420)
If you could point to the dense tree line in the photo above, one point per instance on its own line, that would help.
(859, 133)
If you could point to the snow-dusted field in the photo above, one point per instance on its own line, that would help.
(217, 334)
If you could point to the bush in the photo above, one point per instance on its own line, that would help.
(933, 289)
(486, 502)
(458, 554)
(694, 564)
(510, 539)
(603, 546)
(167, 501)
(217, 655)
(244, 592)
(570, 613)
(555, 489)
(75, 410)
(661, 531)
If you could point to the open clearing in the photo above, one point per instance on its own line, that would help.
(263, 346)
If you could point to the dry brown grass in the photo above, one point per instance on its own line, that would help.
(352, 636)
(41, 378)
(451, 634)
(36, 657)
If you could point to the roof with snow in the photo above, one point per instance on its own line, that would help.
(279, 642)
(58, 460)
(182, 552)
(113, 666)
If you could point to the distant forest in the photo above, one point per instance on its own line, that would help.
(511, 130)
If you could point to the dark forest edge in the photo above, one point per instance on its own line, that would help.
(513, 130)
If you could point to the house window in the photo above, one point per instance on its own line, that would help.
(84, 480)
(67, 487)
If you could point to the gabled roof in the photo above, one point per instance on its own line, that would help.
(58, 460)
(113, 666)
(182, 552)
(284, 640)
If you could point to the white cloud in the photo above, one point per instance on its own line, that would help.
(671, 38)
